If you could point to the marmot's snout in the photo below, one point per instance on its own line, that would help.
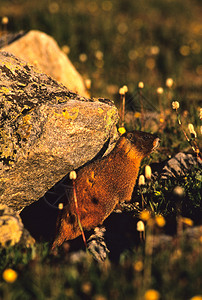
(156, 144)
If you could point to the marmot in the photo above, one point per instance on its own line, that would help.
(102, 184)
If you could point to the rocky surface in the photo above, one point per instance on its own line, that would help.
(45, 131)
(12, 231)
(41, 50)
(176, 166)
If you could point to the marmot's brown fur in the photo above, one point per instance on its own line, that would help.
(102, 184)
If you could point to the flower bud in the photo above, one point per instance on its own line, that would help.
(4, 20)
(60, 206)
(140, 226)
(191, 129)
(148, 172)
(88, 83)
(122, 91)
(169, 82)
(159, 90)
(141, 180)
(125, 88)
(175, 105)
(179, 191)
(141, 85)
(72, 175)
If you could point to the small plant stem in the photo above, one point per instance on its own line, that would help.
(143, 200)
(77, 212)
(123, 109)
(192, 143)
(148, 257)
(160, 106)
(142, 109)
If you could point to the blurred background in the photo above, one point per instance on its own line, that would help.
(113, 42)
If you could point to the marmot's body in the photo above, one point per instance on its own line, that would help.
(101, 185)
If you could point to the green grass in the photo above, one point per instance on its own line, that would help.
(176, 273)
(147, 40)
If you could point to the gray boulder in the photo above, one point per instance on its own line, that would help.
(45, 131)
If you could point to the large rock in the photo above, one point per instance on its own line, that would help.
(45, 131)
(42, 50)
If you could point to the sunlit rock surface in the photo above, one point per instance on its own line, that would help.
(45, 131)
(41, 50)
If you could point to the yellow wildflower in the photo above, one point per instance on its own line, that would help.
(86, 287)
(137, 114)
(145, 215)
(160, 221)
(187, 221)
(138, 266)
(152, 295)
(197, 297)
(121, 130)
(9, 275)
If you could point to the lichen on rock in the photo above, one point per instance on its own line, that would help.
(46, 131)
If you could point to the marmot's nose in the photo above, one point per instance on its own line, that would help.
(156, 143)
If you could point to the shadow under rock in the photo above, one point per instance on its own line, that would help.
(40, 220)
(121, 234)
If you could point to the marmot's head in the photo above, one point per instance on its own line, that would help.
(144, 142)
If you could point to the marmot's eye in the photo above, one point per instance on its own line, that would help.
(146, 137)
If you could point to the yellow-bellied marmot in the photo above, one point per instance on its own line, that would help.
(102, 184)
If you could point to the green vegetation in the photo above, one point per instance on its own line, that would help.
(121, 42)
(115, 43)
